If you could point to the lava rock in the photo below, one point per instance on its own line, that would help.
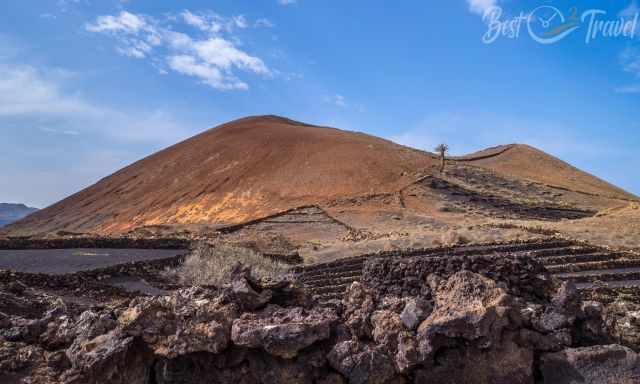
(109, 358)
(387, 326)
(244, 289)
(191, 320)
(361, 363)
(622, 320)
(283, 332)
(467, 306)
(359, 304)
(467, 337)
(603, 364)
(414, 312)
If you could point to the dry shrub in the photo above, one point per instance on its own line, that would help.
(453, 237)
(212, 265)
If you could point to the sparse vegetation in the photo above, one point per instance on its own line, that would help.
(452, 237)
(212, 265)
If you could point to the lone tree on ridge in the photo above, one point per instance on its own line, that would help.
(442, 150)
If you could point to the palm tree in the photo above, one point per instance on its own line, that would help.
(442, 149)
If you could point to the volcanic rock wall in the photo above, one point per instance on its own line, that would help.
(407, 277)
(94, 242)
(467, 329)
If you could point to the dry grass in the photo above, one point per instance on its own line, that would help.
(481, 234)
(453, 237)
(212, 265)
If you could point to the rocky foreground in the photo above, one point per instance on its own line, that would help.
(484, 321)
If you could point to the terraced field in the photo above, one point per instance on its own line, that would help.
(566, 260)
(303, 215)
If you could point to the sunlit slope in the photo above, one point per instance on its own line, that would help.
(238, 171)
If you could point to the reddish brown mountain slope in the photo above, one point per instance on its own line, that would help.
(238, 171)
(257, 166)
(526, 162)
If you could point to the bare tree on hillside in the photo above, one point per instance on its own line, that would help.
(442, 150)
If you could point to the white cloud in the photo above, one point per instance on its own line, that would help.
(287, 2)
(137, 34)
(135, 48)
(223, 54)
(209, 74)
(213, 23)
(212, 56)
(124, 22)
(481, 6)
(194, 20)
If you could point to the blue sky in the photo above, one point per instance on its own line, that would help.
(87, 87)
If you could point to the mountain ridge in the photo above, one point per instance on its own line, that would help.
(261, 165)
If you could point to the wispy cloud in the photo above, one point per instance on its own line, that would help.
(337, 100)
(25, 90)
(212, 22)
(630, 60)
(211, 55)
(287, 2)
(200, 22)
(240, 21)
(42, 109)
(125, 22)
(45, 98)
(481, 6)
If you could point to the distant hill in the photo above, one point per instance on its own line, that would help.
(526, 162)
(13, 212)
(257, 166)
